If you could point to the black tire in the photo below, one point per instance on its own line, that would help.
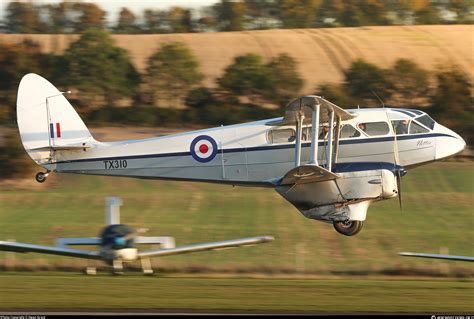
(40, 177)
(348, 228)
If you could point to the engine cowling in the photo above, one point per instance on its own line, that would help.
(346, 198)
(117, 242)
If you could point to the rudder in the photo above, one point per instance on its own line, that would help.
(46, 120)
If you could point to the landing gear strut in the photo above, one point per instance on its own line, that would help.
(41, 177)
(348, 227)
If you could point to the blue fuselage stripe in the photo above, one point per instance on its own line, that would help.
(262, 148)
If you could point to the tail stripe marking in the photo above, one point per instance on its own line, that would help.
(58, 130)
(51, 130)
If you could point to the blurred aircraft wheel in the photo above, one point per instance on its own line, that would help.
(41, 177)
(349, 227)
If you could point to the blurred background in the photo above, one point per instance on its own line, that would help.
(155, 68)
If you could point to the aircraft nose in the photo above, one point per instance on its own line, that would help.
(449, 144)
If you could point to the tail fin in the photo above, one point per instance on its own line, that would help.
(46, 120)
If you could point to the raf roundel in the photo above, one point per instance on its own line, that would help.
(203, 148)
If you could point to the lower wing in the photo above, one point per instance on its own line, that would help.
(206, 246)
(28, 248)
(437, 256)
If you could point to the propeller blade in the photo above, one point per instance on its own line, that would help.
(129, 235)
(396, 160)
(399, 186)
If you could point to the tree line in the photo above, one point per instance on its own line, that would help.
(231, 15)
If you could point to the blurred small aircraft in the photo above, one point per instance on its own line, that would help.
(117, 244)
(330, 163)
(437, 256)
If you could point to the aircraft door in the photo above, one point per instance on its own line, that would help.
(235, 164)
(414, 145)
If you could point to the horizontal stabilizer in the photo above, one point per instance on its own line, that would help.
(28, 248)
(71, 147)
(438, 256)
(307, 174)
(206, 246)
(79, 241)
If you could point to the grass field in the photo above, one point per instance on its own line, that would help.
(130, 292)
(437, 215)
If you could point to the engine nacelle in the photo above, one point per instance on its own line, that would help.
(345, 198)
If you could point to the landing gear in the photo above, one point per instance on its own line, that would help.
(146, 266)
(348, 227)
(90, 271)
(41, 177)
(117, 267)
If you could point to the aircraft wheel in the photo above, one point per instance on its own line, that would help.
(349, 227)
(41, 177)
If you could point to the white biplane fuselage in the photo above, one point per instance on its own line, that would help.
(255, 153)
(355, 163)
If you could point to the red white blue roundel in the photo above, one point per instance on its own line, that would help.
(203, 148)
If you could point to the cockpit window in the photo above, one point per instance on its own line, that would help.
(427, 121)
(374, 128)
(348, 131)
(416, 128)
(281, 135)
(417, 112)
(408, 127)
(400, 126)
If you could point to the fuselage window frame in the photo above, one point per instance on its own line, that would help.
(283, 138)
(365, 130)
(356, 131)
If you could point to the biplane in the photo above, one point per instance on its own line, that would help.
(330, 163)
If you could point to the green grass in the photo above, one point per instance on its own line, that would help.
(41, 291)
(437, 214)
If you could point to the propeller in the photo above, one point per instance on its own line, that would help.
(399, 187)
(399, 171)
(117, 236)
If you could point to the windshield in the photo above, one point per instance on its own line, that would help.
(427, 121)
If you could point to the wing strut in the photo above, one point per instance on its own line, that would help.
(315, 110)
(299, 128)
(336, 142)
(313, 160)
(330, 137)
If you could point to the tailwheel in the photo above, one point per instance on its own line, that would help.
(348, 227)
(41, 177)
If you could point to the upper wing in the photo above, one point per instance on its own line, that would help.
(26, 248)
(438, 256)
(305, 104)
(206, 246)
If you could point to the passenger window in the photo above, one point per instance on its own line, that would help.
(401, 126)
(416, 128)
(284, 135)
(375, 128)
(349, 131)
